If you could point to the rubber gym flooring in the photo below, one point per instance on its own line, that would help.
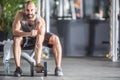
(82, 68)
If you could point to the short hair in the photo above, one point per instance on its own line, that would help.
(27, 3)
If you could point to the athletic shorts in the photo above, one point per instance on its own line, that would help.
(30, 41)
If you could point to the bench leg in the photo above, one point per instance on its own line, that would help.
(45, 69)
(6, 68)
(32, 69)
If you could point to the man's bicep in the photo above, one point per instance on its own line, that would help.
(16, 23)
(16, 26)
(41, 26)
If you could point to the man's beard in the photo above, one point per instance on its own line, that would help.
(30, 16)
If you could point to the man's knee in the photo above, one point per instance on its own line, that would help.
(54, 39)
(17, 41)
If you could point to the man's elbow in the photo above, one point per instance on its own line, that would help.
(15, 33)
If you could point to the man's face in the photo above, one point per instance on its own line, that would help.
(30, 10)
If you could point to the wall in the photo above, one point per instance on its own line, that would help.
(84, 37)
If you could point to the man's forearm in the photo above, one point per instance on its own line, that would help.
(22, 34)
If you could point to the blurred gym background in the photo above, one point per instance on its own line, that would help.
(84, 26)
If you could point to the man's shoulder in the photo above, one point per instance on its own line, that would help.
(20, 13)
(40, 19)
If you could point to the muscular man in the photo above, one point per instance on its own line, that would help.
(27, 24)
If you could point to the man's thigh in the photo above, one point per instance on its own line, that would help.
(18, 40)
(30, 41)
(46, 39)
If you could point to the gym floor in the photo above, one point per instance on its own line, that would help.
(82, 68)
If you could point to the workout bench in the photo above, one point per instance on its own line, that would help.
(8, 54)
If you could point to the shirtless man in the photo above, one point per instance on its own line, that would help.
(27, 24)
